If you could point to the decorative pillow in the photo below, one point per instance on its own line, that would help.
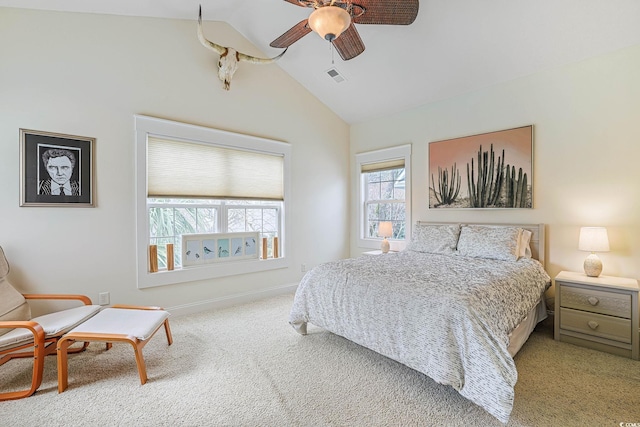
(434, 238)
(524, 250)
(494, 242)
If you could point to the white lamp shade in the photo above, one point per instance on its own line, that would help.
(593, 239)
(329, 21)
(385, 229)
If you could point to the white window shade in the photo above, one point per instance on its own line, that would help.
(382, 166)
(184, 169)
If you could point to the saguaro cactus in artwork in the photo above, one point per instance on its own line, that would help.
(448, 185)
(516, 188)
(485, 189)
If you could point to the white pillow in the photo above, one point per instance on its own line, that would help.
(493, 242)
(524, 249)
(434, 238)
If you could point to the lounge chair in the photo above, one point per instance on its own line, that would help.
(24, 336)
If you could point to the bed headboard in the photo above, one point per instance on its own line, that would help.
(537, 235)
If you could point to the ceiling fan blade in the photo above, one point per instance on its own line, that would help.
(292, 35)
(349, 44)
(387, 12)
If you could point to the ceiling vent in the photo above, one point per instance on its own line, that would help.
(335, 75)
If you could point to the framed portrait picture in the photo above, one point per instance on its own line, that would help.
(56, 169)
(491, 170)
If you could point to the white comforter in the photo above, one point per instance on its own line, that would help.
(446, 316)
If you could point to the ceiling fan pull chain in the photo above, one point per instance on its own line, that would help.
(331, 49)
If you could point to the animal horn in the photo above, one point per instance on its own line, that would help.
(221, 50)
(254, 60)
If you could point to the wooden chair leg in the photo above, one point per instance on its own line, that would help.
(167, 330)
(36, 377)
(78, 349)
(38, 366)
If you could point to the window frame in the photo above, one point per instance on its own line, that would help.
(150, 126)
(377, 156)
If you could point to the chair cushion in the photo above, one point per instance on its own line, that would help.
(4, 264)
(53, 324)
(136, 323)
(13, 306)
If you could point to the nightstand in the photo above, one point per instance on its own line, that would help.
(598, 312)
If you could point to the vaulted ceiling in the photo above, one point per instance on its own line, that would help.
(453, 47)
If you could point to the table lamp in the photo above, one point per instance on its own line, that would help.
(593, 239)
(385, 229)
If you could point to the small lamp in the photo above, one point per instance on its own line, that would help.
(329, 21)
(593, 239)
(385, 229)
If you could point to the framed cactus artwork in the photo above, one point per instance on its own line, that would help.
(487, 171)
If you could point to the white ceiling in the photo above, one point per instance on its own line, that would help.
(453, 47)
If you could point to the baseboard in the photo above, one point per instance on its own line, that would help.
(230, 300)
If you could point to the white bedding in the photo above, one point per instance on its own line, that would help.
(446, 316)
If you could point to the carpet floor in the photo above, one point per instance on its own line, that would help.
(245, 366)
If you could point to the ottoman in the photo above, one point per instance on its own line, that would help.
(120, 323)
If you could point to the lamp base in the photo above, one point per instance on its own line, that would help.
(592, 266)
(384, 247)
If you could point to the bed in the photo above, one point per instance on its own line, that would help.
(457, 304)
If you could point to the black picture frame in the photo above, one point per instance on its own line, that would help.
(63, 153)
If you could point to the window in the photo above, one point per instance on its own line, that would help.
(192, 179)
(383, 187)
(169, 219)
(385, 201)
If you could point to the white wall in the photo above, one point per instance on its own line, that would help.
(87, 75)
(586, 119)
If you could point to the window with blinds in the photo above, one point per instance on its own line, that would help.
(192, 179)
(383, 191)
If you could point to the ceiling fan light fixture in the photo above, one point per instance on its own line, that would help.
(329, 21)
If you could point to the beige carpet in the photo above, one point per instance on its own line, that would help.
(245, 366)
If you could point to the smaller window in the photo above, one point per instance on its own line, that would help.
(385, 201)
(384, 190)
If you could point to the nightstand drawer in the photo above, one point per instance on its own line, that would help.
(596, 301)
(613, 328)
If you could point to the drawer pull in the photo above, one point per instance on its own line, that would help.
(593, 300)
(593, 324)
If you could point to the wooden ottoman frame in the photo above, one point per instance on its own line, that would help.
(108, 337)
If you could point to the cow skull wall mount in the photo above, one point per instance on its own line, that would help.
(229, 57)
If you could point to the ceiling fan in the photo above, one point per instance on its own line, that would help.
(333, 20)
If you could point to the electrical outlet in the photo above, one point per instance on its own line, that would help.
(103, 298)
(303, 267)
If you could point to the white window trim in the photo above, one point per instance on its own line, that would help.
(145, 126)
(399, 152)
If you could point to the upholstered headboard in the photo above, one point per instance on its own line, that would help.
(537, 235)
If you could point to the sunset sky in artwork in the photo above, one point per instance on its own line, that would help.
(517, 145)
